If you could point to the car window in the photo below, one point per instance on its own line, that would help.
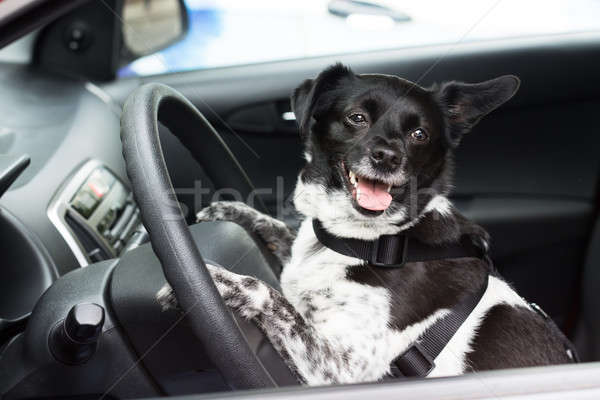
(234, 32)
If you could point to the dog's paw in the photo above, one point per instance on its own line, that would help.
(166, 298)
(244, 294)
(223, 211)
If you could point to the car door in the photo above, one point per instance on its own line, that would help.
(528, 173)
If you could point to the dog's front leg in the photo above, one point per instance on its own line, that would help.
(274, 233)
(314, 358)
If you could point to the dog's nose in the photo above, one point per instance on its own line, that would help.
(384, 157)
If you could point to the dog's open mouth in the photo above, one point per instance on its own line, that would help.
(369, 194)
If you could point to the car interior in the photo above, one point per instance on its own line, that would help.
(87, 169)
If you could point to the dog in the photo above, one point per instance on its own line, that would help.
(379, 161)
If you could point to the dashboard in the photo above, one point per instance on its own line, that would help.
(96, 215)
(70, 129)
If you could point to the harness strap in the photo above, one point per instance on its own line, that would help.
(393, 251)
(418, 359)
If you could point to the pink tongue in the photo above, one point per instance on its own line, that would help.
(373, 195)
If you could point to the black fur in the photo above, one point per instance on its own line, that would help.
(419, 289)
(513, 337)
(388, 130)
(465, 104)
(393, 108)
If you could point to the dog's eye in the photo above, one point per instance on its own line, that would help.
(419, 135)
(357, 119)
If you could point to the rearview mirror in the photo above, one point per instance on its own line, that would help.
(151, 25)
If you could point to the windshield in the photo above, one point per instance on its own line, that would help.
(229, 32)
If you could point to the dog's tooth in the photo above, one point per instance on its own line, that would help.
(357, 194)
(352, 176)
(389, 188)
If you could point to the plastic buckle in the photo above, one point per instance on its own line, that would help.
(424, 360)
(482, 245)
(375, 254)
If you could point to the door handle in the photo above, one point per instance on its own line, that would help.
(271, 118)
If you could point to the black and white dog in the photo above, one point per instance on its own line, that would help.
(379, 162)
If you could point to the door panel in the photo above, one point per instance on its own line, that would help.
(537, 245)
(528, 172)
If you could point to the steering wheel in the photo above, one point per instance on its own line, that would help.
(172, 242)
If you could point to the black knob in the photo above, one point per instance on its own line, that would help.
(74, 340)
(84, 322)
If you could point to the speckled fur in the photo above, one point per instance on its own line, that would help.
(340, 320)
(276, 235)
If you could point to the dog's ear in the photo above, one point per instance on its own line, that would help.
(464, 104)
(304, 98)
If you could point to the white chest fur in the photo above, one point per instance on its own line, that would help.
(356, 317)
(318, 280)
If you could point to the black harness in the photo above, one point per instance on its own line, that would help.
(393, 251)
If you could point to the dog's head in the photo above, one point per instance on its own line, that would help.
(379, 148)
